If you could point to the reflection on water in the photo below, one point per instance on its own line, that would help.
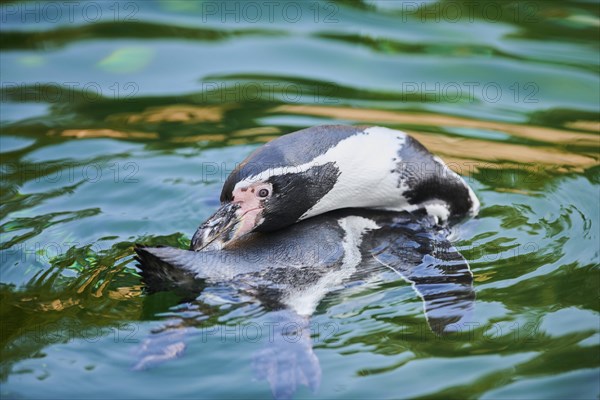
(120, 130)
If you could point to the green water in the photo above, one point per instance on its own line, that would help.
(120, 121)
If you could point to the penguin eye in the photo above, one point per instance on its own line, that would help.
(263, 193)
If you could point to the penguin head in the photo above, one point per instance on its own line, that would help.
(275, 186)
(330, 167)
(268, 201)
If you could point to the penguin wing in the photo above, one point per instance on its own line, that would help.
(437, 271)
(165, 268)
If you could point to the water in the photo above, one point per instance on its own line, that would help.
(120, 121)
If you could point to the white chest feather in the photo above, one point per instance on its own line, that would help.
(305, 301)
(366, 179)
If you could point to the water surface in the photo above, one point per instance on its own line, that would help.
(119, 122)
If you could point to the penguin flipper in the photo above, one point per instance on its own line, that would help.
(164, 268)
(439, 274)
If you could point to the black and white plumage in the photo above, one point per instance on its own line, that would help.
(289, 272)
(330, 167)
(296, 267)
(314, 210)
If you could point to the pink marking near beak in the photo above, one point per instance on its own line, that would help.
(250, 211)
(249, 220)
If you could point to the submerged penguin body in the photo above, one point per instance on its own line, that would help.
(296, 267)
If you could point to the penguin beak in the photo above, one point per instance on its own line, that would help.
(229, 223)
